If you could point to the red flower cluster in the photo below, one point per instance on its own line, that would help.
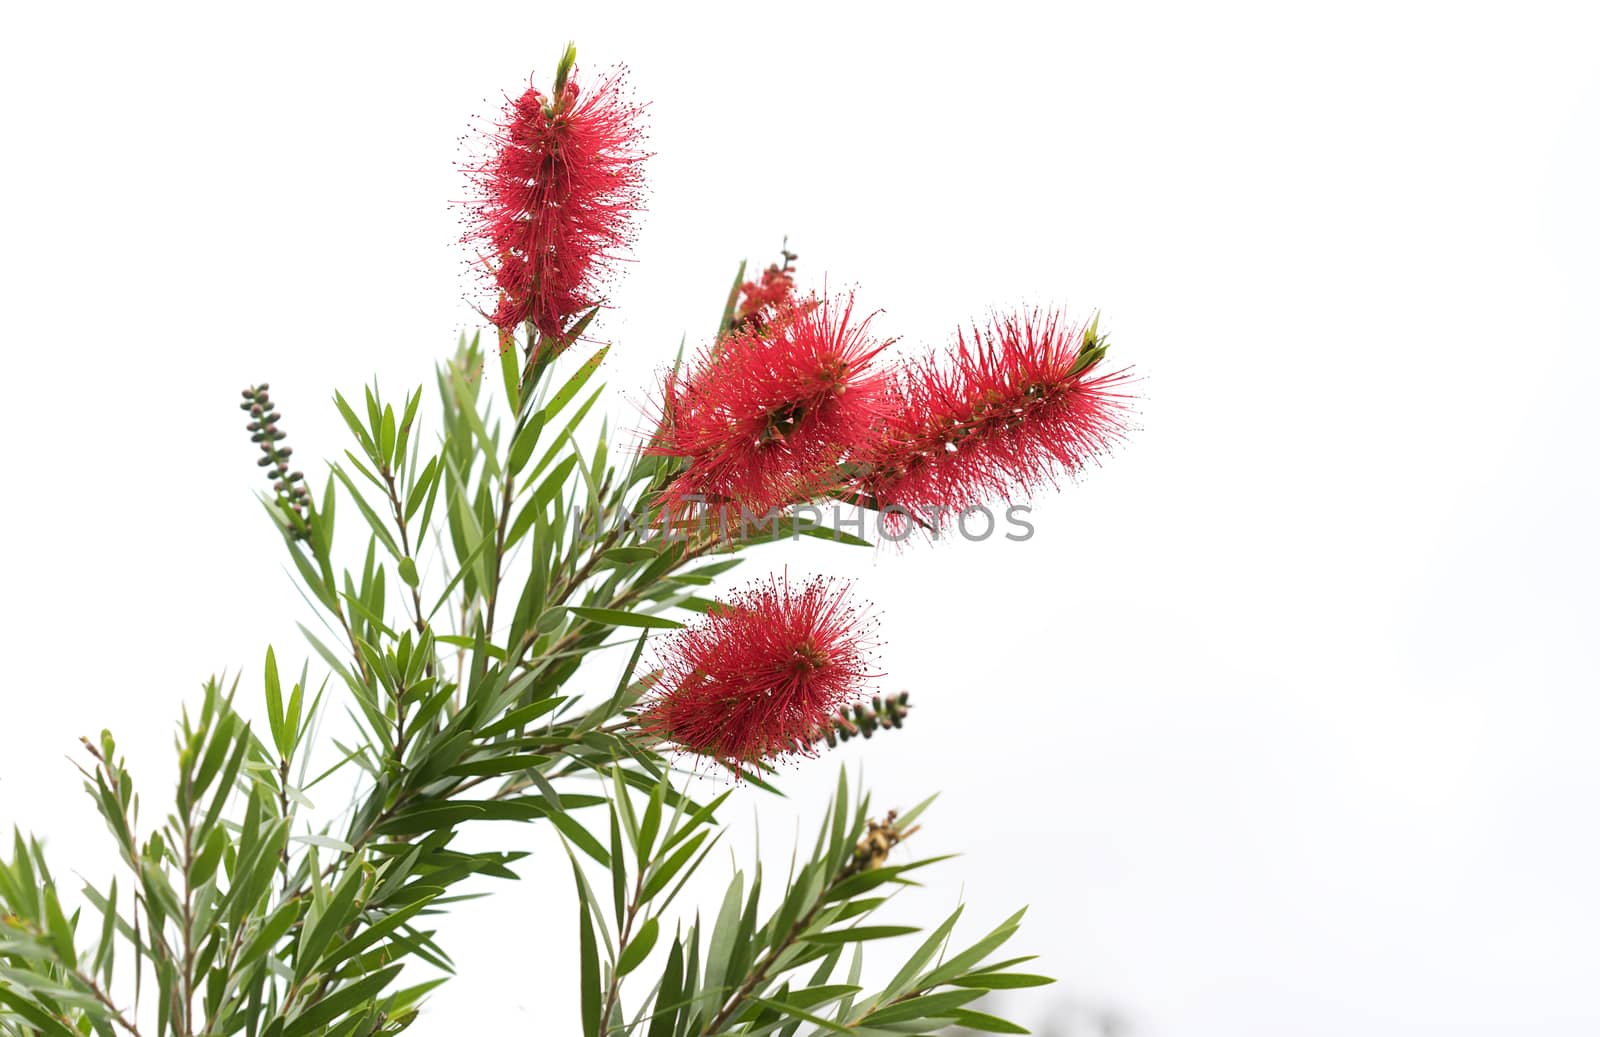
(558, 199)
(1015, 405)
(775, 291)
(758, 676)
(772, 418)
(763, 416)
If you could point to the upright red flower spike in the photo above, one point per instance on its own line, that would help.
(774, 292)
(1014, 406)
(758, 676)
(765, 415)
(558, 199)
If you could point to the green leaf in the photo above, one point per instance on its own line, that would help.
(783, 1008)
(326, 842)
(663, 874)
(494, 765)
(652, 820)
(905, 979)
(860, 883)
(616, 702)
(386, 437)
(860, 932)
(271, 931)
(355, 424)
(408, 572)
(379, 528)
(696, 819)
(723, 933)
(638, 947)
(961, 963)
(473, 556)
(397, 1005)
(811, 997)
(413, 400)
(340, 1002)
(296, 704)
(928, 1006)
(522, 446)
(588, 967)
(619, 618)
(277, 721)
(474, 420)
(431, 817)
(375, 932)
(667, 1007)
(581, 837)
(572, 423)
(855, 908)
(618, 869)
(732, 305)
(426, 486)
(550, 487)
(44, 1021)
(210, 855)
(59, 928)
(573, 384)
(984, 1022)
(519, 718)
(340, 909)
(1002, 980)
(630, 555)
(108, 929)
(838, 845)
(511, 378)
(905, 820)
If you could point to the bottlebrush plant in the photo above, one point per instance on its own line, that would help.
(492, 556)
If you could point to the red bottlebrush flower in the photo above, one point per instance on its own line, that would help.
(1016, 405)
(765, 416)
(558, 199)
(775, 291)
(758, 676)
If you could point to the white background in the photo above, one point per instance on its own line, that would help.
(1284, 723)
